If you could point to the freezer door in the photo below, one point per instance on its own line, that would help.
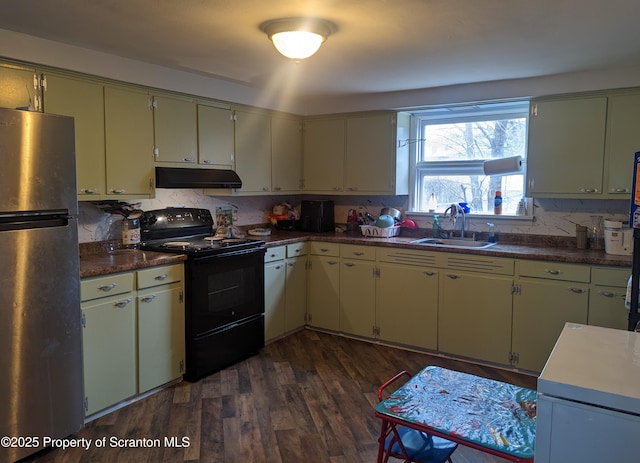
(40, 335)
(37, 155)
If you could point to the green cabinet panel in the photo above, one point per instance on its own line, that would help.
(623, 120)
(407, 305)
(323, 154)
(175, 130)
(295, 315)
(566, 146)
(323, 292)
(215, 136)
(606, 307)
(129, 143)
(253, 151)
(109, 351)
(19, 87)
(286, 154)
(474, 316)
(357, 297)
(540, 310)
(274, 299)
(161, 344)
(83, 100)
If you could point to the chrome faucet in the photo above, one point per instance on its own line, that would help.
(455, 210)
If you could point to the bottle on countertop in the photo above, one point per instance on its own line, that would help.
(436, 227)
(433, 202)
(497, 203)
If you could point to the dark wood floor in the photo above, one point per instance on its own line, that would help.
(306, 398)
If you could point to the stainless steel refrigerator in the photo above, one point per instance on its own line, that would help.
(40, 331)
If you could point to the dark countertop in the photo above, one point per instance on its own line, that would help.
(94, 260)
(546, 249)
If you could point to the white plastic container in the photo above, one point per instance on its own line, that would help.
(618, 239)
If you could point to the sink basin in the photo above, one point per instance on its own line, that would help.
(453, 243)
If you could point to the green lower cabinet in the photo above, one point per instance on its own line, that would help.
(295, 293)
(357, 297)
(274, 299)
(161, 348)
(540, 310)
(474, 316)
(407, 305)
(109, 350)
(323, 292)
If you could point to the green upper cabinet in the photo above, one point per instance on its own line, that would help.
(623, 140)
(215, 136)
(20, 87)
(566, 146)
(129, 143)
(82, 100)
(253, 150)
(286, 153)
(323, 154)
(175, 129)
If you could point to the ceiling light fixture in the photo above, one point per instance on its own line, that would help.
(297, 38)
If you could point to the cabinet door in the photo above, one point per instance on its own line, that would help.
(296, 293)
(407, 305)
(323, 154)
(175, 130)
(82, 100)
(370, 154)
(606, 307)
(215, 136)
(623, 120)
(160, 336)
(109, 351)
(253, 151)
(566, 147)
(19, 87)
(540, 310)
(323, 292)
(474, 316)
(129, 143)
(286, 154)
(357, 297)
(274, 299)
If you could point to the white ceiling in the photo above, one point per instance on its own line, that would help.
(379, 46)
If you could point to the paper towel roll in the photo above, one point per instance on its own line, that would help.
(503, 165)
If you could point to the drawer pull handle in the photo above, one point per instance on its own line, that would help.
(324, 249)
(332, 262)
(348, 264)
(608, 294)
(552, 272)
(148, 298)
(121, 304)
(162, 277)
(577, 290)
(358, 253)
(452, 276)
(429, 274)
(107, 288)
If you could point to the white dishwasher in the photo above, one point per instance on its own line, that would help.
(589, 398)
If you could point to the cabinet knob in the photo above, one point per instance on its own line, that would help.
(188, 159)
(162, 277)
(117, 191)
(148, 298)
(452, 276)
(107, 288)
(121, 304)
(578, 290)
(552, 272)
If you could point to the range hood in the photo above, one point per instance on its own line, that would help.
(181, 177)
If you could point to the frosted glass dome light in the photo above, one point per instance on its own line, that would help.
(297, 38)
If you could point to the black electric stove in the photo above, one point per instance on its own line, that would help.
(224, 287)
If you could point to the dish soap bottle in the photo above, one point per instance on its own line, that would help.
(433, 202)
(436, 227)
(497, 203)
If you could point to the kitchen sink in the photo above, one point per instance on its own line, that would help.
(453, 243)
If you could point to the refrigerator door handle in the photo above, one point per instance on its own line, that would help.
(33, 219)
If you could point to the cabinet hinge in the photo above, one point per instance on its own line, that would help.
(83, 320)
(534, 110)
(86, 403)
(514, 358)
(376, 331)
(181, 366)
(181, 297)
(515, 289)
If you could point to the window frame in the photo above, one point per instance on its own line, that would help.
(460, 113)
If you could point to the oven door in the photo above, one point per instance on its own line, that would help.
(223, 289)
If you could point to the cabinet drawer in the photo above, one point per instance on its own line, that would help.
(409, 257)
(297, 249)
(160, 275)
(275, 253)
(103, 286)
(610, 276)
(555, 271)
(482, 264)
(354, 251)
(324, 249)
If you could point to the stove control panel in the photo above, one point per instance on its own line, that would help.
(182, 221)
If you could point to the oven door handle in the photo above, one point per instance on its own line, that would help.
(222, 255)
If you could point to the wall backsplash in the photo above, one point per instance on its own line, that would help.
(556, 217)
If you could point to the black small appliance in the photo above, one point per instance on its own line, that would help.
(317, 216)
